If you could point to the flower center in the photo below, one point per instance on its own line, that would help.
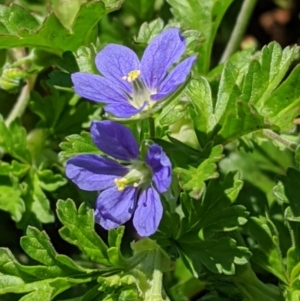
(140, 93)
(132, 76)
(139, 173)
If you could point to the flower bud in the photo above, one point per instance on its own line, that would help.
(12, 79)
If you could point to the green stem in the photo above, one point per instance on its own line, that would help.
(156, 288)
(151, 127)
(273, 136)
(22, 61)
(292, 236)
(156, 292)
(239, 29)
(74, 100)
(22, 101)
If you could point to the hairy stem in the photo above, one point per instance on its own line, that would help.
(22, 101)
(239, 29)
(273, 136)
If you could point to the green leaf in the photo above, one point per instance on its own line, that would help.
(85, 58)
(13, 141)
(193, 41)
(45, 289)
(172, 112)
(57, 115)
(266, 251)
(192, 179)
(219, 256)
(142, 9)
(58, 273)
(204, 16)
(58, 78)
(77, 144)
(149, 30)
(297, 156)
(24, 30)
(200, 236)
(36, 200)
(281, 108)
(235, 115)
(37, 245)
(15, 168)
(112, 5)
(289, 192)
(263, 160)
(202, 114)
(240, 120)
(265, 73)
(50, 181)
(248, 97)
(11, 199)
(240, 60)
(11, 22)
(68, 62)
(230, 118)
(66, 10)
(114, 251)
(293, 264)
(293, 269)
(214, 212)
(290, 189)
(79, 230)
(48, 108)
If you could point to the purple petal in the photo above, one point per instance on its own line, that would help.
(114, 139)
(161, 167)
(114, 208)
(97, 88)
(162, 52)
(148, 213)
(175, 78)
(124, 110)
(93, 172)
(115, 61)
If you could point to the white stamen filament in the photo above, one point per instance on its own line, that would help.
(140, 92)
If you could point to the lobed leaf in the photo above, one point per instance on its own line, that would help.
(79, 230)
(13, 141)
(51, 35)
(36, 201)
(76, 145)
(204, 16)
(220, 259)
(57, 115)
(58, 273)
(266, 251)
(50, 181)
(192, 179)
(11, 199)
(149, 30)
(214, 212)
(249, 97)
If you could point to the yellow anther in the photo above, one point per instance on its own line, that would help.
(120, 183)
(132, 76)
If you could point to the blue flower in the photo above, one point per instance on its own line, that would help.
(126, 190)
(128, 86)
